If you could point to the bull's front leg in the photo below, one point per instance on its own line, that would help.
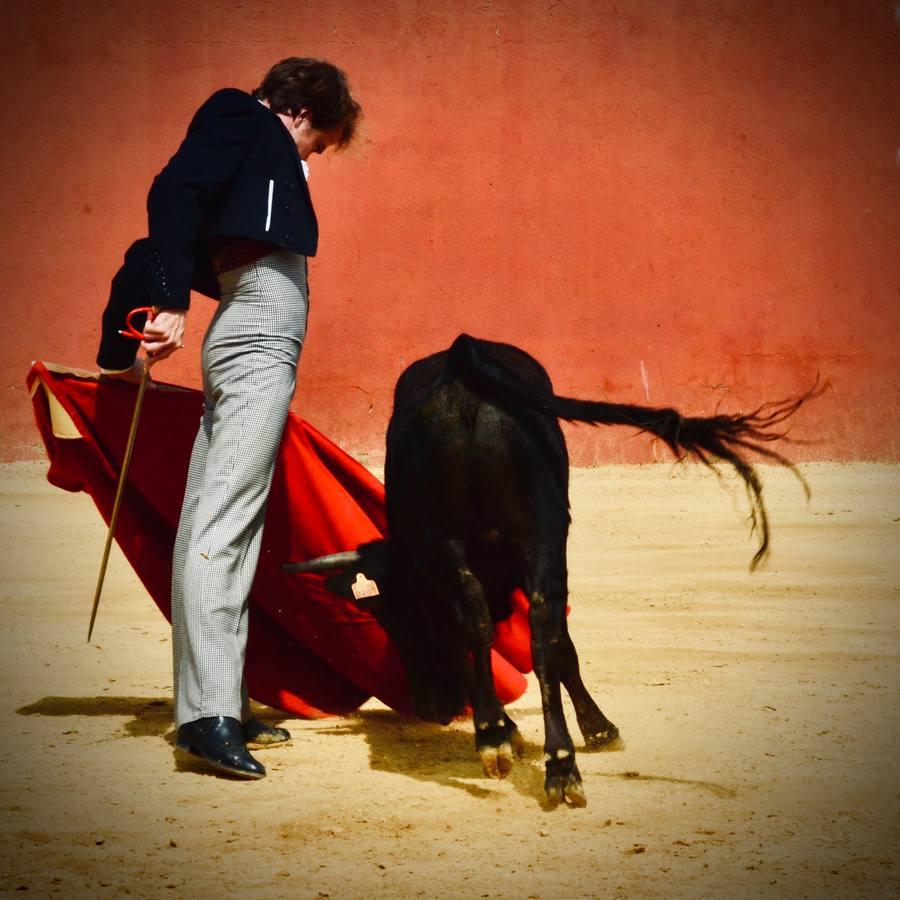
(497, 739)
(546, 617)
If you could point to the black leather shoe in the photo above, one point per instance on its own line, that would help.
(257, 734)
(220, 741)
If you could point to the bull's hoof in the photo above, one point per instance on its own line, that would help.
(497, 762)
(565, 788)
(563, 782)
(498, 746)
(605, 740)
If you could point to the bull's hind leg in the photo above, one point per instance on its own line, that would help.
(547, 596)
(497, 739)
(598, 732)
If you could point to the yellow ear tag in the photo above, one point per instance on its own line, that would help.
(363, 587)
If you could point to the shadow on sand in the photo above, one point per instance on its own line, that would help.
(419, 750)
(149, 716)
(436, 754)
(146, 716)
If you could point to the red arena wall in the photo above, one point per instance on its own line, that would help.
(682, 203)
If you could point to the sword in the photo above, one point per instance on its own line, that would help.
(132, 332)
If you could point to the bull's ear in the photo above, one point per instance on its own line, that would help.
(363, 582)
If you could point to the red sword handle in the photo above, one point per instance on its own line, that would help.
(129, 330)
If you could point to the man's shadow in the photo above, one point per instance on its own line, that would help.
(146, 717)
(149, 716)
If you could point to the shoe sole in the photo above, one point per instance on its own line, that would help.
(241, 773)
(262, 745)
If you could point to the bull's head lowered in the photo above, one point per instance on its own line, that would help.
(379, 583)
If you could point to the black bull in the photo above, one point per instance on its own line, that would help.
(476, 479)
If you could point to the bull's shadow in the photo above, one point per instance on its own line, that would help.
(438, 754)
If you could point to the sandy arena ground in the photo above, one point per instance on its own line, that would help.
(760, 714)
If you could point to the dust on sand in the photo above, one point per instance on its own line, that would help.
(759, 711)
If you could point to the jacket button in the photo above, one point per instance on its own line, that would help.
(289, 185)
(289, 237)
(288, 208)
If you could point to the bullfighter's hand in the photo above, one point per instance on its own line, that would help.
(164, 334)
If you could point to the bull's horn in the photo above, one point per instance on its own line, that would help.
(329, 563)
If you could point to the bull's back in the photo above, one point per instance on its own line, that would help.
(457, 444)
(475, 362)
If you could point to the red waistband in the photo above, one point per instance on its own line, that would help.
(239, 251)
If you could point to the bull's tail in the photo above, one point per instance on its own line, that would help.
(720, 437)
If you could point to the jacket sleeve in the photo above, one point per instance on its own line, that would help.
(192, 186)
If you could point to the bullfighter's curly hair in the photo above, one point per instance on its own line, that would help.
(320, 87)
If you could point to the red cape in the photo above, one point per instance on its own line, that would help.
(310, 653)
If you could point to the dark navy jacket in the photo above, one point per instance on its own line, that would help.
(237, 173)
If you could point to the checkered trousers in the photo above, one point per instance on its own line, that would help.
(249, 358)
